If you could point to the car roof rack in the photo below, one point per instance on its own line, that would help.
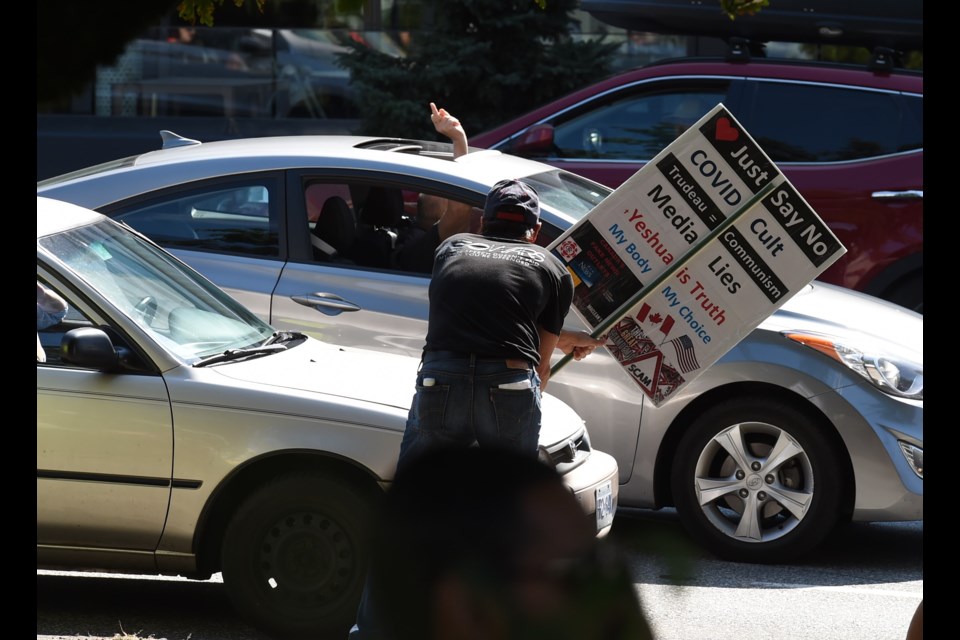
(885, 59)
(742, 49)
(889, 23)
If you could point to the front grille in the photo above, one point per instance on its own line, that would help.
(566, 455)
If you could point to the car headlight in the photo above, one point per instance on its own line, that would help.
(891, 373)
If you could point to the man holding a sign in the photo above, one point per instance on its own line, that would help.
(497, 307)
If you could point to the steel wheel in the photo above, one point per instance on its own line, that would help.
(756, 481)
(294, 556)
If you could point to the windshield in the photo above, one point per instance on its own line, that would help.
(181, 310)
(567, 192)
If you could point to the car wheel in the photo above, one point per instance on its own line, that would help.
(756, 480)
(294, 558)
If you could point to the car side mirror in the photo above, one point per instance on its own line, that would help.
(538, 139)
(89, 347)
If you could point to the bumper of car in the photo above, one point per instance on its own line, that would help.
(889, 487)
(592, 480)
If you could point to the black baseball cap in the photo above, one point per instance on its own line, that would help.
(513, 201)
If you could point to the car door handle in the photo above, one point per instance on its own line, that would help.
(909, 194)
(327, 303)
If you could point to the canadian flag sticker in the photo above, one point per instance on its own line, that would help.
(666, 323)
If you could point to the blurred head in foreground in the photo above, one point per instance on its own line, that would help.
(487, 543)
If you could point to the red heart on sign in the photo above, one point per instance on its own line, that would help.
(725, 131)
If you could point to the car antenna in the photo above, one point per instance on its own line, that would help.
(171, 140)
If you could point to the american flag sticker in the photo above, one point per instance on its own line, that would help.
(686, 353)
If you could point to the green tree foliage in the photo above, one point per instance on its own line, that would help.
(193, 11)
(734, 8)
(483, 60)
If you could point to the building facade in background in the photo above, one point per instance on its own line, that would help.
(275, 73)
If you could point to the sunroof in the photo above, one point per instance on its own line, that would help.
(415, 147)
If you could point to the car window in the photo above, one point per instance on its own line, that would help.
(374, 225)
(317, 193)
(382, 225)
(912, 131)
(635, 124)
(80, 315)
(181, 311)
(50, 336)
(332, 221)
(802, 122)
(567, 192)
(238, 218)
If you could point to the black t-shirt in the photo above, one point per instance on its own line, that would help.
(489, 295)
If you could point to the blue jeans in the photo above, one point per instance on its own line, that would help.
(461, 400)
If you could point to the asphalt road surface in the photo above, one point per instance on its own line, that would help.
(862, 584)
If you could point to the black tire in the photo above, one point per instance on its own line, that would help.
(774, 499)
(295, 556)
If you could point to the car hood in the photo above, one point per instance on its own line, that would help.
(856, 317)
(319, 367)
(370, 377)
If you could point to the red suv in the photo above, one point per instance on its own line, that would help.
(848, 138)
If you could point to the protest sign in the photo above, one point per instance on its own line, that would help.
(692, 253)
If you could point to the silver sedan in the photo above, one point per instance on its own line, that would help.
(179, 434)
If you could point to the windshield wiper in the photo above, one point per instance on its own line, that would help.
(239, 354)
(273, 344)
(283, 336)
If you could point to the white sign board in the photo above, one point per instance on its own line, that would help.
(691, 253)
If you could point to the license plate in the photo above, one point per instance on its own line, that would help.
(604, 505)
